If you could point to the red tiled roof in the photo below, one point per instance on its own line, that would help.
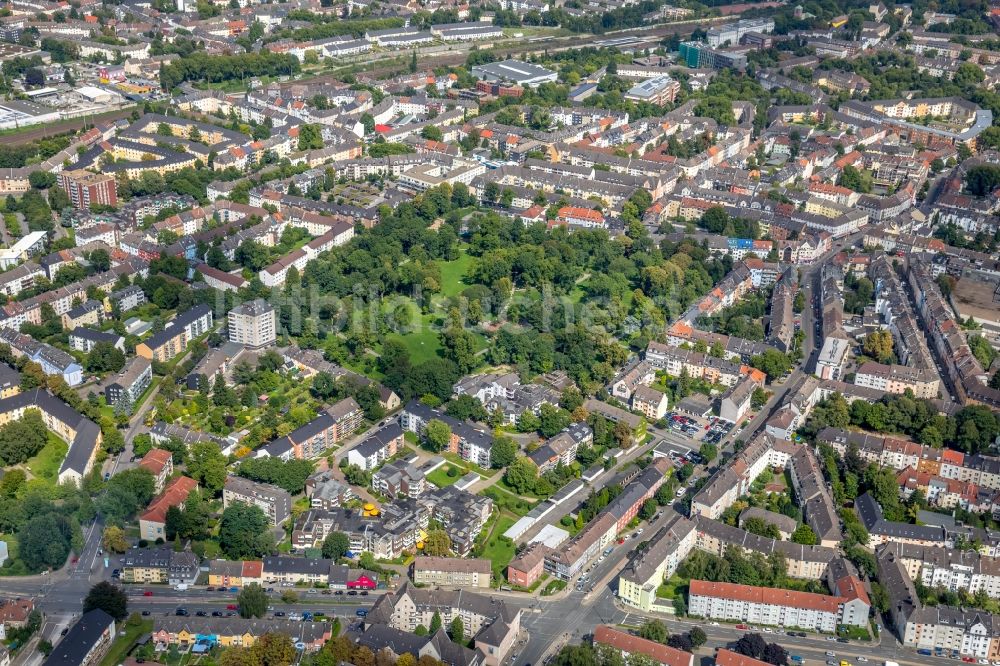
(155, 461)
(726, 657)
(952, 456)
(581, 213)
(766, 595)
(850, 587)
(253, 568)
(660, 653)
(173, 495)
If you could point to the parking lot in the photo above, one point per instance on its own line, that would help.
(694, 431)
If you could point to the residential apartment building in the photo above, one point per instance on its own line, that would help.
(674, 361)
(626, 644)
(452, 572)
(85, 339)
(333, 425)
(734, 403)
(160, 565)
(945, 630)
(86, 189)
(184, 632)
(561, 449)
(529, 566)
(492, 624)
(733, 480)
(571, 556)
(651, 402)
(399, 479)
(53, 360)
(468, 441)
(775, 607)
(275, 502)
(153, 521)
(807, 562)
(228, 573)
(83, 435)
(128, 385)
(643, 575)
(159, 463)
(381, 445)
(882, 531)
(176, 335)
(898, 379)
(253, 324)
(948, 568)
(86, 642)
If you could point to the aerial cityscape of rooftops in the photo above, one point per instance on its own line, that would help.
(499, 332)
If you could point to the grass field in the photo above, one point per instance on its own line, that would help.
(672, 587)
(440, 478)
(46, 464)
(498, 549)
(120, 648)
(452, 273)
(507, 501)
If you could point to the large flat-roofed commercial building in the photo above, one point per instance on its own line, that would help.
(521, 73)
(732, 33)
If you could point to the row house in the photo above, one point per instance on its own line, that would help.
(183, 633)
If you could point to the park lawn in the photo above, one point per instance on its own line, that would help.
(498, 549)
(123, 644)
(452, 273)
(508, 502)
(440, 478)
(421, 337)
(45, 464)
